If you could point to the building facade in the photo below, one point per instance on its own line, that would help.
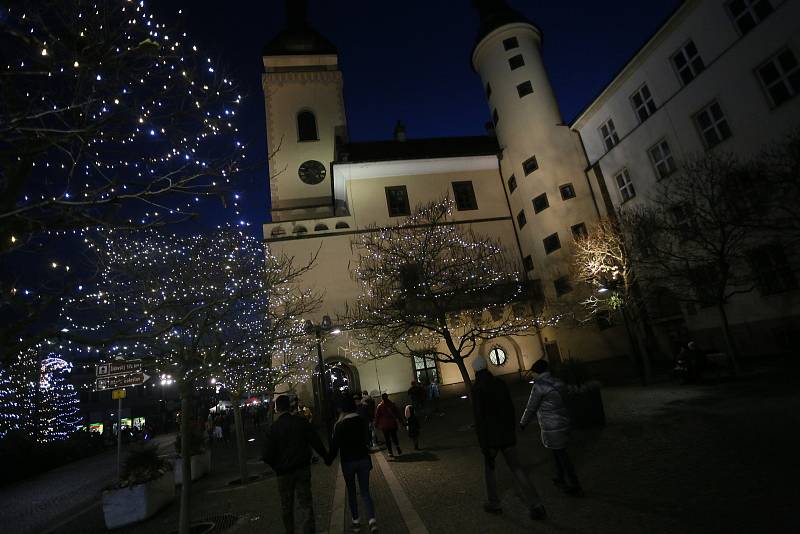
(535, 183)
(718, 76)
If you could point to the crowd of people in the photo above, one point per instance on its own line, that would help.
(292, 442)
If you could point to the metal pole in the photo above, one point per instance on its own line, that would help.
(323, 382)
(119, 438)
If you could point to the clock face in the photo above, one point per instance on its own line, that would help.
(311, 172)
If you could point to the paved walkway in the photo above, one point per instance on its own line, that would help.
(672, 459)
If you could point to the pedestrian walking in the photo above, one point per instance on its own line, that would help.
(546, 403)
(287, 449)
(412, 425)
(387, 420)
(349, 441)
(218, 428)
(434, 395)
(417, 395)
(495, 423)
(369, 404)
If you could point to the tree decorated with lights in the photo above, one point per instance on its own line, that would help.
(108, 120)
(35, 398)
(193, 307)
(433, 287)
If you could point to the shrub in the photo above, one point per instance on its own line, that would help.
(143, 464)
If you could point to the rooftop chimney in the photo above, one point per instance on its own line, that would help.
(400, 131)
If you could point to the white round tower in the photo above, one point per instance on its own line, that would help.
(542, 160)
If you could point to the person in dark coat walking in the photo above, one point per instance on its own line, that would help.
(350, 440)
(546, 403)
(496, 423)
(387, 420)
(287, 450)
(412, 425)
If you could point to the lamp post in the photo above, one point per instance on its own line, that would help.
(318, 330)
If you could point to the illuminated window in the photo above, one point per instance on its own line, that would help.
(425, 369)
(498, 356)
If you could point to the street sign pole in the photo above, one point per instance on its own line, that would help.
(119, 437)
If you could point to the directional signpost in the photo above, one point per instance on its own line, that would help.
(118, 375)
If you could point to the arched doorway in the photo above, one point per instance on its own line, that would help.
(341, 377)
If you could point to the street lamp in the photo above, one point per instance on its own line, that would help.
(318, 330)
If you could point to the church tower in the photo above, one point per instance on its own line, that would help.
(305, 117)
(542, 160)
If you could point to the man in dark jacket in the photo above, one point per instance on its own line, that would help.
(495, 423)
(288, 451)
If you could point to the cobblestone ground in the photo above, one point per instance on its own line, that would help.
(677, 459)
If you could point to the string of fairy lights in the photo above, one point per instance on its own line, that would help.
(131, 115)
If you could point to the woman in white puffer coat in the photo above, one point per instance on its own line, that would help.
(547, 404)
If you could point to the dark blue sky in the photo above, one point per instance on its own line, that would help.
(410, 60)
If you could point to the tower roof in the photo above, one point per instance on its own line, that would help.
(494, 14)
(298, 37)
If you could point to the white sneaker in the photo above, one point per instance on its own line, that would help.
(355, 526)
(373, 526)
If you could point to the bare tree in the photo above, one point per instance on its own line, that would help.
(108, 120)
(190, 306)
(697, 235)
(429, 281)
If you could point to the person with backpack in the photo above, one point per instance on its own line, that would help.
(350, 441)
(387, 420)
(495, 423)
(546, 403)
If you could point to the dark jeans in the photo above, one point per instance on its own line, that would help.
(564, 469)
(388, 436)
(524, 486)
(351, 470)
(297, 481)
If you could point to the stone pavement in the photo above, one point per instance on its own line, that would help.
(682, 459)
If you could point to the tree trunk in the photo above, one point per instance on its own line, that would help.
(237, 418)
(465, 376)
(730, 345)
(639, 348)
(186, 458)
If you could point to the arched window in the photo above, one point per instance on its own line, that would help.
(300, 229)
(341, 224)
(320, 227)
(277, 231)
(306, 126)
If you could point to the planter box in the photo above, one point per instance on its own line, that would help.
(201, 465)
(586, 408)
(136, 503)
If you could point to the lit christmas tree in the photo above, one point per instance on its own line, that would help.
(108, 120)
(193, 307)
(432, 287)
(36, 400)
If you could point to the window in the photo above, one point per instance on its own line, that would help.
(488, 90)
(562, 285)
(516, 62)
(510, 43)
(512, 183)
(772, 269)
(425, 370)
(625, 185)
(321, 227)
(300, 229)
(579, 230)
(746, 14)
(527, 262)
(465, 196)
(551, 243)
(397, 201)
(781, 77)
(498, 356)
(307, 126)
(524, 89)
(521, 219)
(712, 124)
(540, 203)
(643, 103)
(495, 117)
(609, 134)
(567, 191)
(661, 157)
(341, 225)
(277, 231)
(530, 165)
(688, 63)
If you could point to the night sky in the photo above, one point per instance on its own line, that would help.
(410, 60)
